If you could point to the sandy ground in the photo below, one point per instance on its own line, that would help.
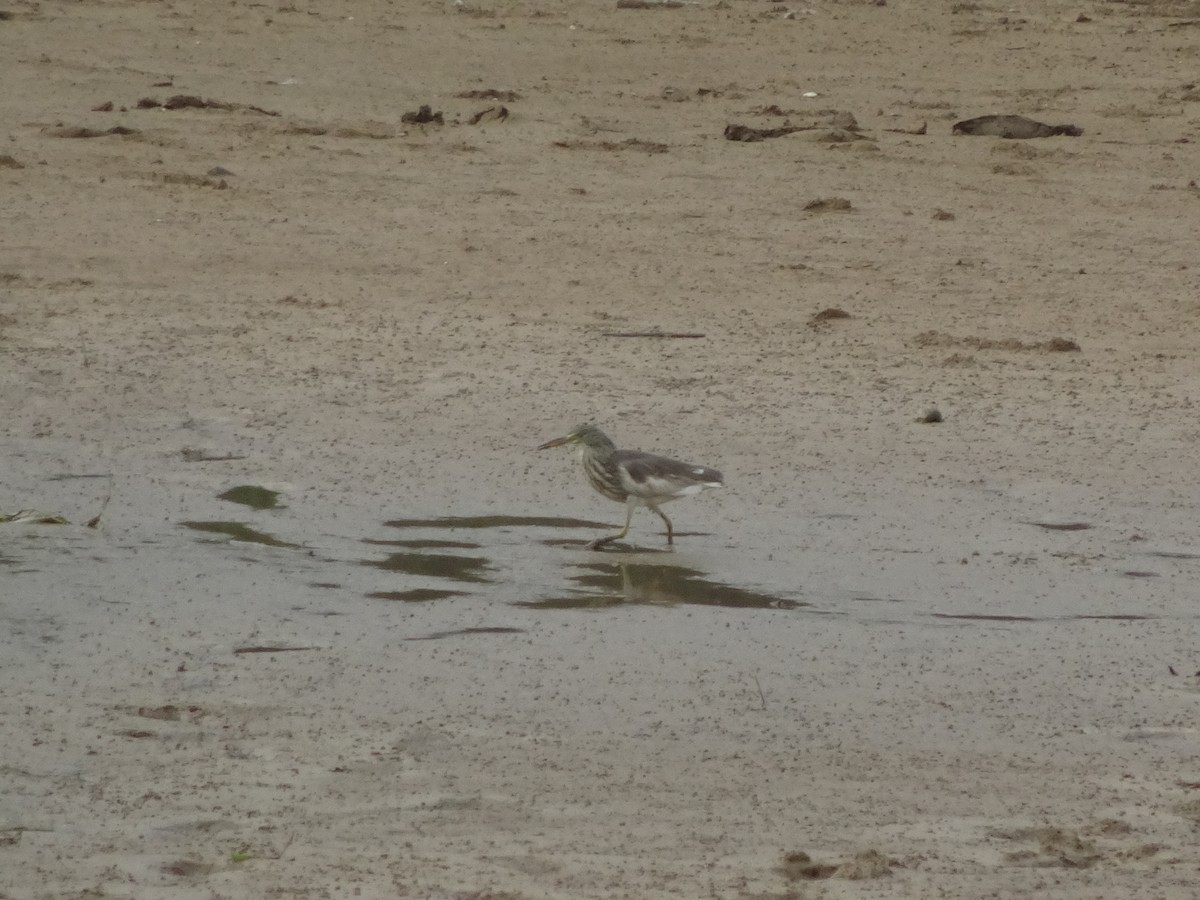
(891, 659)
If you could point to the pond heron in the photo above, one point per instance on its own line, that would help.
(633, 477)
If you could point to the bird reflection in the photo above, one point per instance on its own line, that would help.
(612, 584)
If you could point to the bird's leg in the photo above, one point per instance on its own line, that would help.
(598, 543)
(670, 530)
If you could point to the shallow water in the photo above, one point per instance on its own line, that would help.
(607, 583)
(238, 531)
(572, 576)
(863, 567)
(544, 564)
(253, 496)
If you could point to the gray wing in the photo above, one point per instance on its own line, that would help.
(659, 476)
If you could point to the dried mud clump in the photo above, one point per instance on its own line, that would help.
(1012, 128)
(650, 4)
(1189, 809)
(167, 713)
(828, 204)
(747, 135)
(187, 868)
(182, 178)
(774, 109)
(1030, 151)
(799, 866)
(831, 126)
(191, 101)
(867, 864)
(79, 131)
(960, 359)
(827, 315)
(1013, 169)
(489, 94)
(913, 128)
(423, 116)
(491, 114)
(940, 339)
(615, 146)
(1052, 846)
(366, 131)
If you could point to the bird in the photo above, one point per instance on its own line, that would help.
(633, 477)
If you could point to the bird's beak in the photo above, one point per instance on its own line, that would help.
(557, 442)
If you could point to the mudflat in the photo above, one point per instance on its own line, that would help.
(289, 294)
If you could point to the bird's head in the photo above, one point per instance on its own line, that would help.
(584, 435)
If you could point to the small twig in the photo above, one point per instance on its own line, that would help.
(94, 521)
(272, 649)
(278, 854)
(654, 334)
(761, 695)
(193, 455)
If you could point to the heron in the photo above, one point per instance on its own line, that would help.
(635, 478)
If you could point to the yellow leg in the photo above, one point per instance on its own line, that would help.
(600, 542)
(670, 530)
